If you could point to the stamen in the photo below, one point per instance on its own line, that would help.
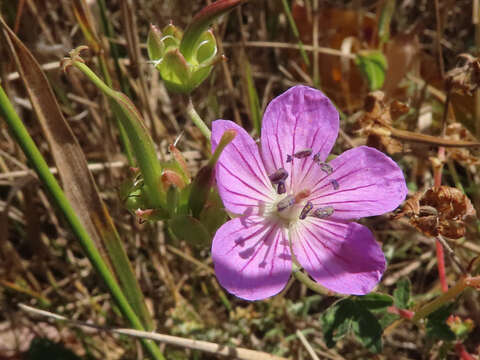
(286, 203)
(300, 154)
(306, 209)
(278, 176)
(335, 184)
(281, 189)
(324, 212)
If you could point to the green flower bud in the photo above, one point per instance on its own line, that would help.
(201, 185)
(155, 45)
(185, 60)
(179, 74)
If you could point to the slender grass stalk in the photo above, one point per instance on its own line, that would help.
(108, 30)
(58, 196)
(293, 26)
(197, 120)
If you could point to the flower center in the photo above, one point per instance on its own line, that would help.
(293, 207)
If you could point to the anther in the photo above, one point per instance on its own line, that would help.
(299, 154)
(334, 184)
(281, 189)
(306, 209)
(278, 176)
(286, 203)
(326, 168)
(324, 212)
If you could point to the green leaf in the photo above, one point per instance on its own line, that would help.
(387, 319)
(348, 315)
(367, 329)
(401, 294)
(375, 301)
(373, 66)
(191, 230)
(41, 349)
(437, 327)
(213, 214)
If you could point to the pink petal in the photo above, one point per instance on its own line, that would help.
(369, 183)
(300, 118)
(243, 183)
(343, 257)
(252, 257)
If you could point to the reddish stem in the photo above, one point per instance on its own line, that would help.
(462, 352)
(441, 266)
(406, 314)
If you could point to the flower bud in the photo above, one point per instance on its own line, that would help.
(185, 60)
(201, 185)
(155, 45)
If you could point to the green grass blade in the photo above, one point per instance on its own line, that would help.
(253, 101)
(58, 196)
(293, 26)
(78, 182)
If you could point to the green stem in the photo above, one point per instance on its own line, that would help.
(309, 283)
(139, 137)
(197, 120)
(127, 147)
(38, 162)
(430, 307)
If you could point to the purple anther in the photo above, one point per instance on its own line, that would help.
(306, 209)
(335, 184)
(299, 154)
(325, 167)
(281, 189)
(286, 203)
(278, 176)
(324, 212)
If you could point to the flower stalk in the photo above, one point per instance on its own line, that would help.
(139, 137)
(197, 120)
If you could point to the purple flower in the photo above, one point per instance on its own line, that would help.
(290, 200)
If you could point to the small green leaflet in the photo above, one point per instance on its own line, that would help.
(373, 65)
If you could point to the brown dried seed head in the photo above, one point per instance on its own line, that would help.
(440, 210)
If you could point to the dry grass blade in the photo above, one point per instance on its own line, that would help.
(78, 182)
(230, 352)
